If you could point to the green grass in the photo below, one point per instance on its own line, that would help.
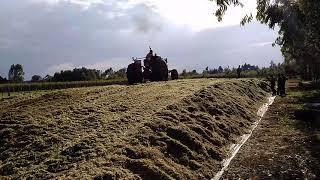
(20, 87)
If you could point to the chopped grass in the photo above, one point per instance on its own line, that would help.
(171, 130)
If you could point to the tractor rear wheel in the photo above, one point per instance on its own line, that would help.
(134, 74)
(159, 71)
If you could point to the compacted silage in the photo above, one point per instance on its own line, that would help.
(190, 138)
(77, 134)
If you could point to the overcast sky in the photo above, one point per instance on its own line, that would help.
(46, 36)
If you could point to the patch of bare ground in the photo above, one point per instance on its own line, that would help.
(286, 144)
(171, 130)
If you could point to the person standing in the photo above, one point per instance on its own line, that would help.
(283, 84)
(150, 54)
(279, 85)
(273, 85)
(148, 58)
(239, 71)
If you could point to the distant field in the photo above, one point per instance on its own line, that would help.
(36, 86)
(19, 87)
(177, 129)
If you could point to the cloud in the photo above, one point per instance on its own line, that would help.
(145, 20)
(84, 3)
(262, 44)
(48, 36)
(115, 63)
(57, 68)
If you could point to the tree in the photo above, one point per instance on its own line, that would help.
(299, 36)
(298, 22)
(107, 73)
(184, 72)
(223, 6)
(36, 78)
(220, 69)
(77, 74)
(206, 71)
(3, 80)
(248, 67)
(120, 74)
(16, 73)
(227, 70)
(194, 72)
(48, 78)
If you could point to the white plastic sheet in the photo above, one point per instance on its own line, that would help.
(236, 147)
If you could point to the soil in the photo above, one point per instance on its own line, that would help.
(286, 143)
(170, 130)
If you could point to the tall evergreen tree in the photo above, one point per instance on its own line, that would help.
(16, 73)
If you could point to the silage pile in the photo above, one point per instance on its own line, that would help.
(184, 140)
(189, 139)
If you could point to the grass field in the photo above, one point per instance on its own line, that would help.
(35, 86)
(177, 129)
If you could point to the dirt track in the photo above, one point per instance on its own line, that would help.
(179, 129)
(286, 144)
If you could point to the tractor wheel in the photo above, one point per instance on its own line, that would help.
(174, 74)
(159, 71)
(134, 74)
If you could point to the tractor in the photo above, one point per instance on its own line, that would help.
(155, 69)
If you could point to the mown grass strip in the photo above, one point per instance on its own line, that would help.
(20, 87)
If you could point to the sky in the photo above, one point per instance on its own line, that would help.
(47, 36)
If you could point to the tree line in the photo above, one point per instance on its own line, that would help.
(84, 74)
(247, 70)
(16, 75)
